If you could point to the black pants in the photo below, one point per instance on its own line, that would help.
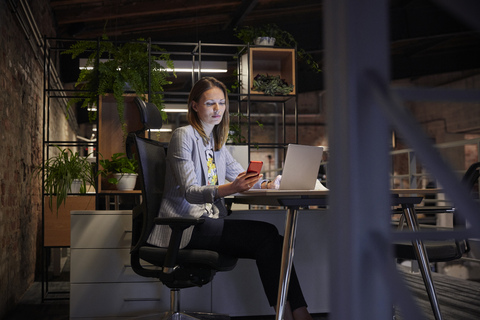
(250, 240)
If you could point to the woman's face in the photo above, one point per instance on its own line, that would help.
(211, 106)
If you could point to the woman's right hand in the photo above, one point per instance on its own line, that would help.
(243, 182)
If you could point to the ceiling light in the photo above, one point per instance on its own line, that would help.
(179, 66)
(172, 107)
(165, 128)
(189, 66)
(161, 130)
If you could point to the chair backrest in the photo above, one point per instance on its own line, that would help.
(471, 180)
(471, 176)
(151, 157)
(152, 167)
(150, 118)
(149, 114)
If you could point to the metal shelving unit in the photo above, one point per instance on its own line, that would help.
(198, 53)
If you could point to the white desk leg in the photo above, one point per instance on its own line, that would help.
(287, 260)
(422, 257)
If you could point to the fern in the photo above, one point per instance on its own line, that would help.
(126, 64)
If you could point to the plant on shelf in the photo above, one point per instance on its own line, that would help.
(253, 35)
(119, 167)
(62, 172)
(271, 85)
(119, 68)
(249, 34)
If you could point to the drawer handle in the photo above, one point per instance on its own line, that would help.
(141, 299)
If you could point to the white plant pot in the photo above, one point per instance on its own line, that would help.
(75, 186)
(265, 41)
(126, 181)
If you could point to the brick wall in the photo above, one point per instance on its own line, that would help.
(446, 121)
(21, 125)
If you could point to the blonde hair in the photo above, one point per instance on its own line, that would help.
(220, 131)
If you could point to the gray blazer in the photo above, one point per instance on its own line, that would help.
(186, 191)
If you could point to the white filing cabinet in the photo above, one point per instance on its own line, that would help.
(102, 283)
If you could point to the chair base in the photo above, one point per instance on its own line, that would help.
(185, 316)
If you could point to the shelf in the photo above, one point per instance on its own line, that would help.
(57, 224)
(270, 61)
(267, 98)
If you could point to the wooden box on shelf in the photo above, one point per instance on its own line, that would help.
(57, 226)
(267, 61)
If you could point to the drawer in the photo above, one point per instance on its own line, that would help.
(103, 265)
(101, 229)
(132, 299)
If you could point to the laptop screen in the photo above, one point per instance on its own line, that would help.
(300, 170)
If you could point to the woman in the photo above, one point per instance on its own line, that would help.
(198, 171)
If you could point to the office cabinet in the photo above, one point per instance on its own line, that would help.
(102, 283)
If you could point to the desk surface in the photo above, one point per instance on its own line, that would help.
(316, 197)
(282, 193)
(416, 191)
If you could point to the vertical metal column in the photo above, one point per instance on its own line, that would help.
(412, 170)
(356, 41)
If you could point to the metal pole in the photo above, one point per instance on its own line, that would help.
(356, 40)
(287, 254)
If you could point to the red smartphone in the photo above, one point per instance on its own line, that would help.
(255, 166)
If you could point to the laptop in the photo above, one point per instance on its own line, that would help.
(300, 170)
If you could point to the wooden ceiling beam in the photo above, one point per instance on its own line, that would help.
(72, 14)
(171, 25)
(245, 8)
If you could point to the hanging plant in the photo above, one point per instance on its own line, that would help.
(117, 68)
(271, 85)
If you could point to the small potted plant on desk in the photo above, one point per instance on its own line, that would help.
(120, 171)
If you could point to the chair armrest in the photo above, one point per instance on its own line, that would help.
(178, 225)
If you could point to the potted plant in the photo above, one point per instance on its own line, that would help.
(265, 35)
(271, 85)
(64, 174)
(118, 68)
(120, 170)
(251, 35)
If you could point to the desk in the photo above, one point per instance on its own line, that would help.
(294, 200)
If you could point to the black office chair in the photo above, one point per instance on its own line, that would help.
(442, 250)
(446, 250)
(179, 268)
